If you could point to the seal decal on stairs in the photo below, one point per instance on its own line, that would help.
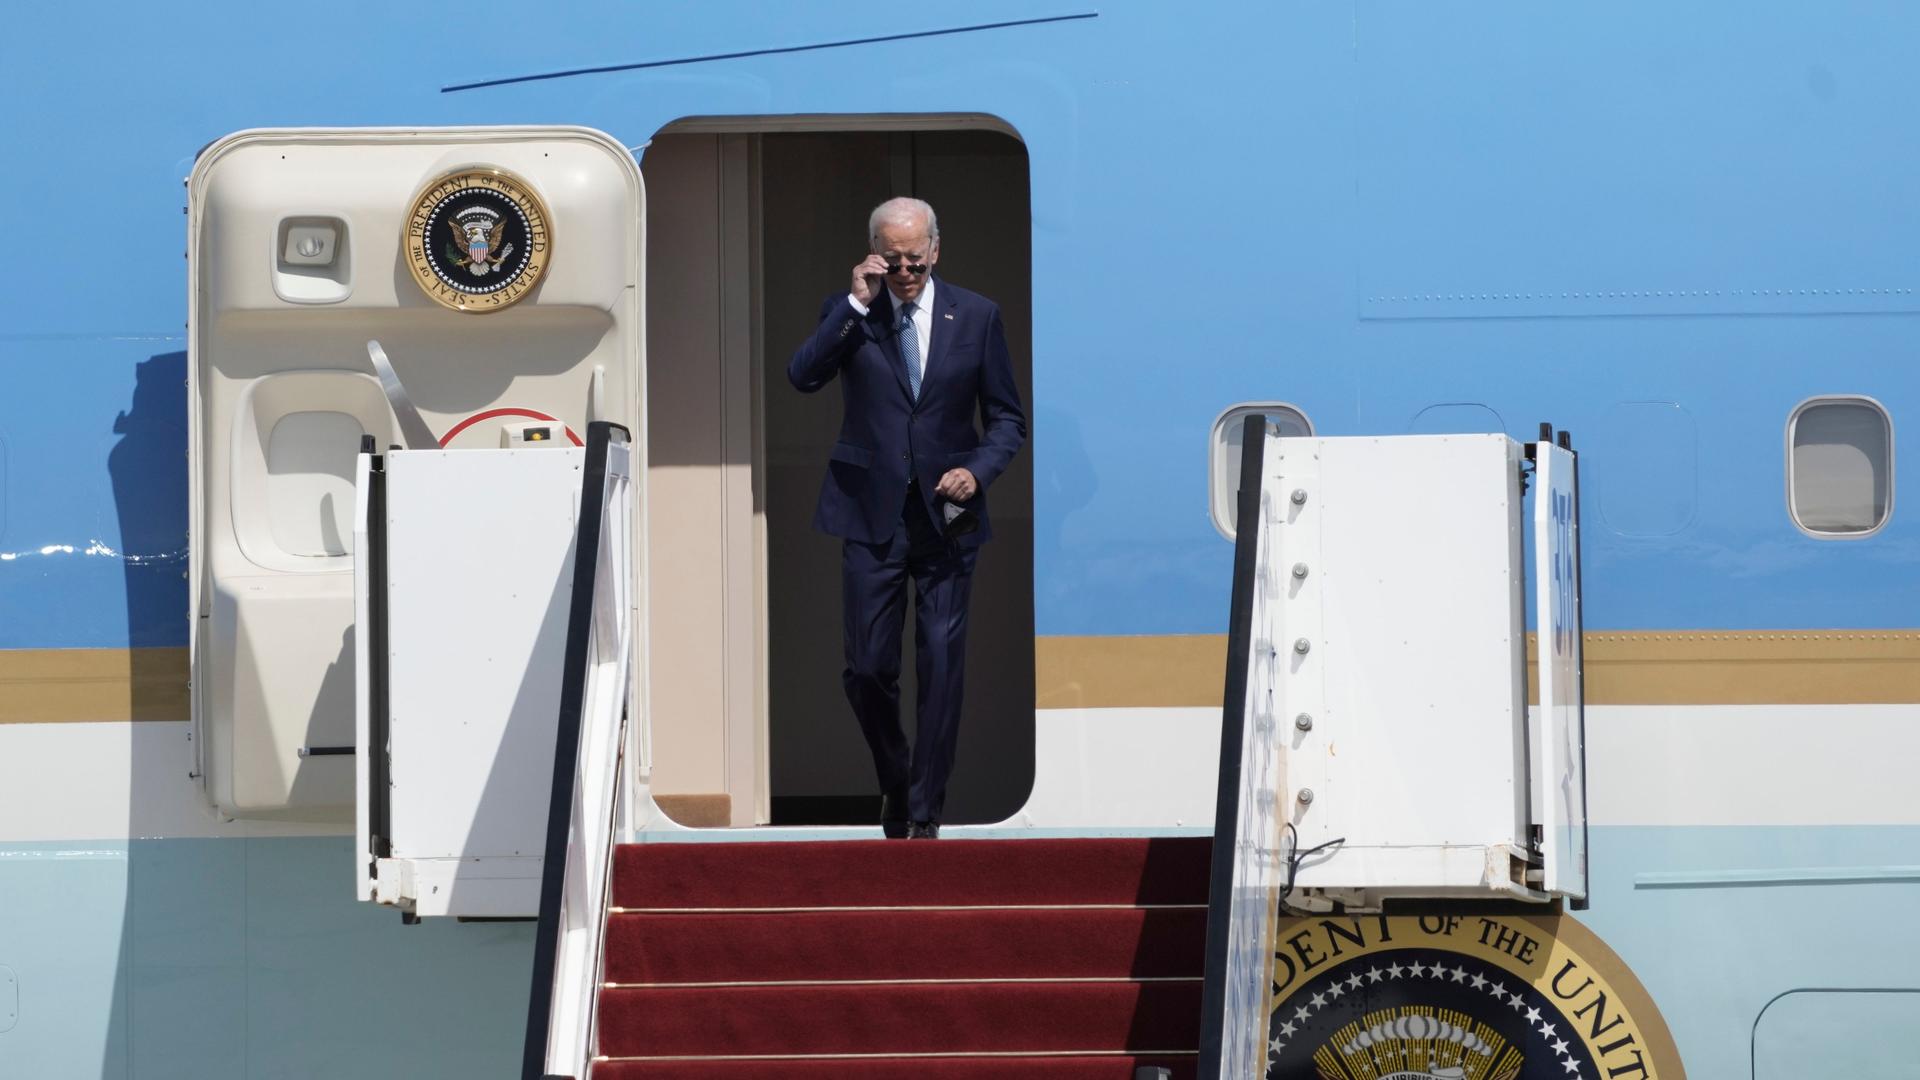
(1459, 997)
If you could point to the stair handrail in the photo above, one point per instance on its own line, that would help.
(1243, 889)
(586, 800)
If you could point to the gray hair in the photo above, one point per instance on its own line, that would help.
(901, 211)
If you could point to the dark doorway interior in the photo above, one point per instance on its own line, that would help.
(817, 189)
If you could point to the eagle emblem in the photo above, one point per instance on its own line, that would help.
(477, 231)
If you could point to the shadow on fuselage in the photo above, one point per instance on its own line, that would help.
(240, 946)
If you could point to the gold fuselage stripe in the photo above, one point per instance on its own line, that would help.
(1624, 667)
(58, 686)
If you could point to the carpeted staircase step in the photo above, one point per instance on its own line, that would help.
(954, 960)
(891, 1020)
(930, 944)
(883, 873)
(1105, 1067)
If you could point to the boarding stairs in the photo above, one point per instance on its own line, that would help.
(1072, 958)
(1069, 959)
(683, 957)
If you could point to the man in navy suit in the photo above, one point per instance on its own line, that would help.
(917, 358)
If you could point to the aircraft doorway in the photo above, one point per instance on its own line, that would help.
(751, 224)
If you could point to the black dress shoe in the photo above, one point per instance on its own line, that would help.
(893, 814)
(924, 830)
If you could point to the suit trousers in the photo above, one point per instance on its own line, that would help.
(873, 584)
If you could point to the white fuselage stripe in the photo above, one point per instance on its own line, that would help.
(1119, 771)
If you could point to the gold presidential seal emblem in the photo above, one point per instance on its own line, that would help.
(477, 239)
(1459, 997)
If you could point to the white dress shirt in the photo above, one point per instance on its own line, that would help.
(922, 320)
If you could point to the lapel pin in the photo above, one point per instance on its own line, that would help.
(949, 315)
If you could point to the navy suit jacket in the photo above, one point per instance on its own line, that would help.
(886, 435)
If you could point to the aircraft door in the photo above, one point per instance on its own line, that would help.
(499, 268)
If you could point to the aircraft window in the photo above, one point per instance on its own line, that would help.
(1840, 466)
(1224, 453)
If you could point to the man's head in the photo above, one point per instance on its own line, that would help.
(905, 233)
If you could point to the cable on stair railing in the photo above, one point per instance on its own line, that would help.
(1295, 857)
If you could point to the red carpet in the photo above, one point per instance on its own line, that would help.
(874, 873)
(977, 1068)
(989, 960)
(1019, 944)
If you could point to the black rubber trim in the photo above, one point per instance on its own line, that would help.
(328, 751)
(380, 793)
(566, 742)
(1233, 720)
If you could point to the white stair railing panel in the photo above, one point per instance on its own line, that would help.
(363, 674)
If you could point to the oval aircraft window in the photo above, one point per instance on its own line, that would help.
(1224, 453)
(1839, 466)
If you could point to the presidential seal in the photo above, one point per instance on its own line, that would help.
(1459, 997)
(477, 239)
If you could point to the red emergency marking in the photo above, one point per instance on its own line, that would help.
(491, 414)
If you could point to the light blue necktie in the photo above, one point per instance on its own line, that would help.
(910, 349)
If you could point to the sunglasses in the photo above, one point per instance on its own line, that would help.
(911, 268)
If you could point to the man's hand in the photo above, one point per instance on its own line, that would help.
(958, 485)
(866, 279)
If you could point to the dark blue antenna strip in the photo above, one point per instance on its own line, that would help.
(767, 52)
